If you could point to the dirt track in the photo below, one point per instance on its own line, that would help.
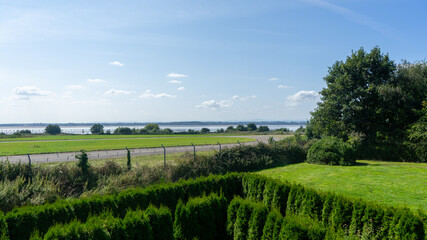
(69, 156)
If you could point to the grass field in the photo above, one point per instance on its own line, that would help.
(34, 147)
(83, 137)
(397, 184)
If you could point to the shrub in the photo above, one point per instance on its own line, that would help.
(123, 131)
(241, 225)
(53, 129)
(331, 151)
(201, 218)
(268, 231)
(232, 214)
(294, 227)
(137, 226)
(257, 221)
(97, 129)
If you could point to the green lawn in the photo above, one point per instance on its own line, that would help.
(34, 147)
(398, 184)
(82, 137)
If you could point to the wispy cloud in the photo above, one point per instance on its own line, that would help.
(180, 88)
(95, 80)
(273, 79)
(115, 92)
(215, 105)
(149, 94)
(237, 97)
(177, 75)
(26, 92)
(117, 63)
(300, 97)
(74, 87)
(175, 81)
(282, 86)
(352, 16)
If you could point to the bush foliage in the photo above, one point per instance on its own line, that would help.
(331, 151)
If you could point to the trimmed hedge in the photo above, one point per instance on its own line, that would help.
(150, 224)
(21, 222)
(247, 217)
(341, 213)
(300, 228)
(201, 218)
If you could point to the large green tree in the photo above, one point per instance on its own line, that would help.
(370, 97)
(53, 129)
(97, 129)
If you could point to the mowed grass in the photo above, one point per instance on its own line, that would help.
(81, 137)
(391, 183)
(35, 147)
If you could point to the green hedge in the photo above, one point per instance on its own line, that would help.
(341, 213)
(150, 224)
(21, 222)
(245, 216)
(201, 218)
(301, 228)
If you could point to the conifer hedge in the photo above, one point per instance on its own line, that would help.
(264, 209)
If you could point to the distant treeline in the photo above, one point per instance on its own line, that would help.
(189, 123)
(153, 128)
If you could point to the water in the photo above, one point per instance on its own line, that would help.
(176, 128)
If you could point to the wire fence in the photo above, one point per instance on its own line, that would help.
(119, 153)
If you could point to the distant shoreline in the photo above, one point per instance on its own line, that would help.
(183, 123)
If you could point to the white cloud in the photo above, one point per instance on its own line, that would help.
(273, 79)
(115, 92)
(148, 94)
(74, 87)
(282, 86)
(180, 88)
(177, 75)
(117, 63)
(214, 105)
(175, 81)
(301, 96)
(26, 92)
(95, 80)
(237, 97)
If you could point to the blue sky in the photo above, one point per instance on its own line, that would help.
(108, 61)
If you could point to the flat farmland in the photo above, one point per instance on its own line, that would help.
(66, 145)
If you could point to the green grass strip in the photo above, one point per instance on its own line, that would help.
(31, 147)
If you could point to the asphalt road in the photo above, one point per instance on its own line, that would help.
(108, 154)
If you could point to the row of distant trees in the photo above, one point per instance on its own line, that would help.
(153, 128)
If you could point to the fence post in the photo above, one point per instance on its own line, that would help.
(194, 149)
(219, 147)
(258, 142)
(128, 163)
(30, 173)
(164, 155)
(240, 145)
